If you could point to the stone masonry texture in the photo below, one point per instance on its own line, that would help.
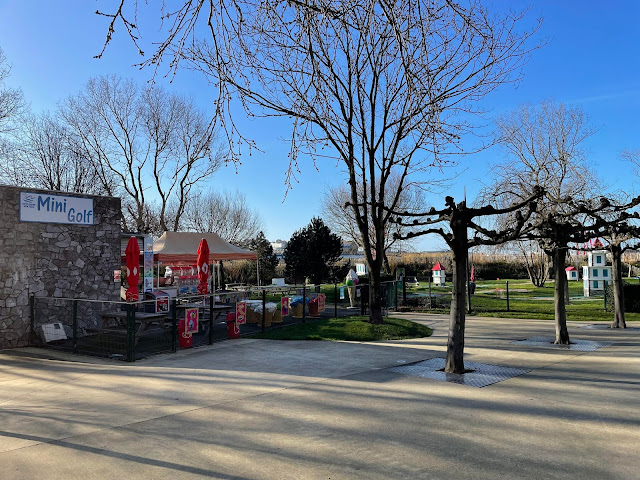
(55, 262)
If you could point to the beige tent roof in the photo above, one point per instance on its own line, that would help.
(175, 248)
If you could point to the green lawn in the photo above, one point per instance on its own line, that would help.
(525, 301)
(354, 328)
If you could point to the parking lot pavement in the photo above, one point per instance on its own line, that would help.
(260, 409)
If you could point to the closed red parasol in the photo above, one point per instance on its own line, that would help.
(203, 266)
(473, 273)
(132, 254)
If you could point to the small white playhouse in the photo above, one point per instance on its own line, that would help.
(596, 274)
(438, 274)
(572, 273)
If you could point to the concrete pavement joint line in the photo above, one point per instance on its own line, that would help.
(57, 384)
(131, 458)
(203, 407)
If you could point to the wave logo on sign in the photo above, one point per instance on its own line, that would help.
(28, 201)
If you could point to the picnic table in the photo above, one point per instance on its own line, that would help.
(118, 320)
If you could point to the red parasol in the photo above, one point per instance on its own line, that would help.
(473, 273)
(203, 266)
(132, 254)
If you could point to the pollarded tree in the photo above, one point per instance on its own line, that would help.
(453, 223)
(575, 223)
(621, 231)
(312, 252)
(382, 88)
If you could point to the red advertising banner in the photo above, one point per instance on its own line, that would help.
(191, 321)
(321, 300)
(241, 313)
(285, 306)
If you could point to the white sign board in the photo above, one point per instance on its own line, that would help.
(46, 208)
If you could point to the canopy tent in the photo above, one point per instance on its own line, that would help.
(181, 248)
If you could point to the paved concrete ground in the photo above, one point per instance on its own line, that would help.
(259, 409)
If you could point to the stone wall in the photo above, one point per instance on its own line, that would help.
(54, 261)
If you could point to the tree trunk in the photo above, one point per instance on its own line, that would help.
(618, 291)
(567, 299)
(375, 302)
(455, 344)
(562, 335)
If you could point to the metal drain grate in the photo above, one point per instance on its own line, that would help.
(576, 345)
(481, 376)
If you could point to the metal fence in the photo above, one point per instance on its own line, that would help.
(134, 330)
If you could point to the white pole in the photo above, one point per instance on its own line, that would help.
(213, 273)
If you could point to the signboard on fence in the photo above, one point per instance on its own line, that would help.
(191, 321)
(321, 301)
(162, 304)
(341, 293)
(285, 306)
(241, 313)
(148, 263)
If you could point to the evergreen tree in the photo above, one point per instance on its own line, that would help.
(312, 252)
(268, 260)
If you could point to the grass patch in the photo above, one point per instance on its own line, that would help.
(528, 302)
(354, 328)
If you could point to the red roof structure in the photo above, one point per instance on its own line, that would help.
(437, 266)
(570, 269)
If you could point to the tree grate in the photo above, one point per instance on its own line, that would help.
(482, 375)
(576, 345)
(607, 326)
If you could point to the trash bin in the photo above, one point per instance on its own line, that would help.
(232, 327)
(296, 305)
(313, 307)
(472, 288)
(185, 339)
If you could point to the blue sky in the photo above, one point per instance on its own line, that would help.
(592, 60)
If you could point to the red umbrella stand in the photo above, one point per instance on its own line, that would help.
(132, 254)
(203, 266)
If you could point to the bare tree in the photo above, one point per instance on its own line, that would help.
(535, 260)
(156, 145)
(12, 103)
(453, 223)
(543, 146)
(225, 213)
(339, 216)
(12, 109)
(48, 157)
(382, 88)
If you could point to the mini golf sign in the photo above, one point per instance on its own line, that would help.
(45, 208)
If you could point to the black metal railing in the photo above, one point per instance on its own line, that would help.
(133, 330)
